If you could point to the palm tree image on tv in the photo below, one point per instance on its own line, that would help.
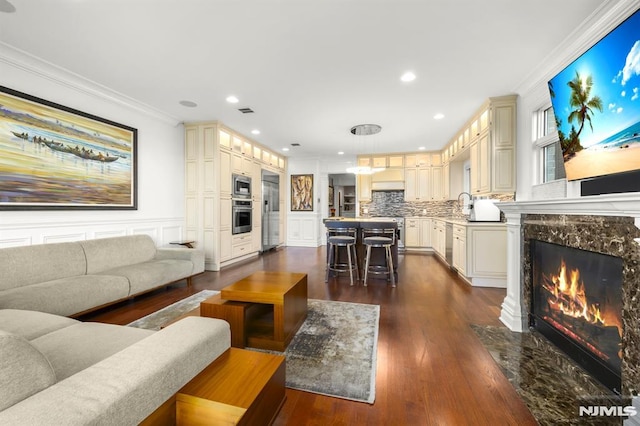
(596, 103)
(584, 106)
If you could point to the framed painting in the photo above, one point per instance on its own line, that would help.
(55, 157)
(301, 193)
(331, 196)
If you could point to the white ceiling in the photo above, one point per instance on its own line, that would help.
(310, 69)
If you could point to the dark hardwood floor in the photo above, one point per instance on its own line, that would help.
(432, 369)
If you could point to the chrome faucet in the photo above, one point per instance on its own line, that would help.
(470, 200)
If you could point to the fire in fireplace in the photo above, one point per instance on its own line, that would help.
(577, 304)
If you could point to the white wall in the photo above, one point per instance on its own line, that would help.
(160, 212)
(305, 229)
(534, 94)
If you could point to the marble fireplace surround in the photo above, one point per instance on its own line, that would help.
(607, 224)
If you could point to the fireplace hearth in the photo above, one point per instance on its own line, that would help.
(577, 304)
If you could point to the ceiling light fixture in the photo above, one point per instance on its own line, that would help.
(188, 104)
(255, 131)
(360, 131)
(421, 148)
(438, 116)
(285, 149)
(408, 76)
(232, 99)
(340, 152)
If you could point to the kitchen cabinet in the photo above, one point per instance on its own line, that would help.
(459, 249)
(417, 160)
(417, 184)
(213, 152)
(363, 183)
(411, 232)
(438, 237)
(417, 233)
(480, 253)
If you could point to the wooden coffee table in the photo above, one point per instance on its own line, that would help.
(265, 309)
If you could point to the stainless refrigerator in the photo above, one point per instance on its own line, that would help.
(270, 210)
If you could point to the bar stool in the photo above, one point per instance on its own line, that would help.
(342, 234)
(379, 235)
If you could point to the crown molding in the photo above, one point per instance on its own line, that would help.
(605, 18)
(26, 62)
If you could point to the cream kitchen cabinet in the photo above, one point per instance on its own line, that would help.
(493, 150)
(417, 233)
(417, 184)
(412, 232)
(459, 248)
(363, 183)
(213, 152)
(438, 237)
(479, 253)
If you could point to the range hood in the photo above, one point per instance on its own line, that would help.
(388, 180)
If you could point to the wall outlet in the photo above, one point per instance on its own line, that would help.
(424, 211)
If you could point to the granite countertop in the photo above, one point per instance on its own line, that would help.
(360, 219)
(460, 221)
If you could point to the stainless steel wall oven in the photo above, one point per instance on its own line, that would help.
(241, 213)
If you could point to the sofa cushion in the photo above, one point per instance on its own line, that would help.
(147, 275)
(32, 324)
(23, 266)
(67, 296)
(128, 386)
(108, 253)
(79, 346)
(24, 370)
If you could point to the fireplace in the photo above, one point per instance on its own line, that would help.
(576, 303)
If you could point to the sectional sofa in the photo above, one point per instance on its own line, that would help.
(56, 370)
(73, 278)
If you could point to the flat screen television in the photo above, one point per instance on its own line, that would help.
(596, 102)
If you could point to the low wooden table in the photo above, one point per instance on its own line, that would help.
(264, 309)
(240, 387)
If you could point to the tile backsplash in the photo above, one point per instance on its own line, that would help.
(392, 204)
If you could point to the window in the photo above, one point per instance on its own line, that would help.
(545, 138)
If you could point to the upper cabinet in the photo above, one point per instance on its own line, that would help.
(489, 142)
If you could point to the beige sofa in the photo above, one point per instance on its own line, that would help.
(56, 370)
(72, 278)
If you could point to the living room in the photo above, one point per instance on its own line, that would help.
(536, 207)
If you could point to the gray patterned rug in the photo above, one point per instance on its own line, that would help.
(333, 353)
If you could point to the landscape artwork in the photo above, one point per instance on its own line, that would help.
(54, 157)
(596, 102)
(301, 192)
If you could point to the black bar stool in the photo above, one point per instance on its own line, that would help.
(379, 235)
(341, 234)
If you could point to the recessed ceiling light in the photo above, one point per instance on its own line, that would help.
(232, 99)
(285, 149)
(255, 131)
(421, 148)
(438, 116)
(340, 152)
(408, 76)
(188, 104)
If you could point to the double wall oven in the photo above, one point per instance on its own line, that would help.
(241, 205)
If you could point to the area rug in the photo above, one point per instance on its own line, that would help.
(165, 315)
(333, 353)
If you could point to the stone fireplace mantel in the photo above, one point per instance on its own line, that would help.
(603, 205)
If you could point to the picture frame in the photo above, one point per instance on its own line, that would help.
(56, 157)
(301, 193)
(331, 196)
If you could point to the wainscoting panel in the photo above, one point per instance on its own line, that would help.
(162, 231)
(303, 230)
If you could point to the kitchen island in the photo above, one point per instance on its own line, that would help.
(377, 256)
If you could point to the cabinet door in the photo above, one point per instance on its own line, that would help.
(225, 245)
(425, 232)
(459, 254)
(446, 182)
(424, 184)
(484, 163)
(436, 183)
(225, 173)
(225, 214)
(412, 232)
(364, 187)
(410, 184)
(474, 165)
(379, 161)
(396, 161)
